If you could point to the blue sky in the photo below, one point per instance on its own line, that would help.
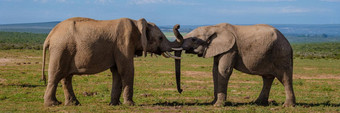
(170, 12)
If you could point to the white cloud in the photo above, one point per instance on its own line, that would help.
(177, 2)
(72, 1)
(262, 0)
(103, 1)
(330, 0)
(45, 1)
(42, 1)
(293, 10)
(266, 10)
(61, 0)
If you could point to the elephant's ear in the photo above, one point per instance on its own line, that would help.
(222, 40)
(142, 24)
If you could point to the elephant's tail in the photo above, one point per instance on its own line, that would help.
(45, 46)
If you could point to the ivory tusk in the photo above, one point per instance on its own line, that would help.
(165, 55)
(177, 49)
(172, 56)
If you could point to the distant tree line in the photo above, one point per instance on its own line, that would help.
(324, 50)
(18, 40)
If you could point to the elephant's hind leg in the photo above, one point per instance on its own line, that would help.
(70, 97)
(58, 69)
(264, 95)
(286, 78)
(116, 86)
(125, 69)
(50, 93)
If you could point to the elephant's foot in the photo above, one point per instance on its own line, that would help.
(51, 103)
(219, 103)
(115, 103)
(261, 102)
(72, 102)
(289, 103)
(130, 103)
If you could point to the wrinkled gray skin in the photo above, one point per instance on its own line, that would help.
(256, 49)
(86, 46)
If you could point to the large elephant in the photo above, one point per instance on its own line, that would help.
(86, 46)
(254, 49)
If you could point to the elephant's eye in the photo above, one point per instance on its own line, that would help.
(194, 39)
(160, 38)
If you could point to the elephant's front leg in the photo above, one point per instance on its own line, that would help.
(215, 72)
(225, 68)
(126, 70)
(116, 86)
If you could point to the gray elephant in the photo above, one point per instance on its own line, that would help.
(86, 46)
(254, 49)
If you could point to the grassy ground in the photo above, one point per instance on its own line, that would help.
(316, 84)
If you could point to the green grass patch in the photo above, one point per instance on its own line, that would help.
(315, 85)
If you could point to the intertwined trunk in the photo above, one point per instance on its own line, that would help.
(179, 39)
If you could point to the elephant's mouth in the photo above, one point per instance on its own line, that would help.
(190, 50)
(158, 52)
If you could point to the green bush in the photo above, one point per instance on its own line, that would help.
(323, 50)
(17, 40)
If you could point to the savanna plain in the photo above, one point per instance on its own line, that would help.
(316, 84)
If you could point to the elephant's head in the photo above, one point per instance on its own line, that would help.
(154, 41)
(210, 41)
(205, 41)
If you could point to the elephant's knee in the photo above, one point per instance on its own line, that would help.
(225, 72)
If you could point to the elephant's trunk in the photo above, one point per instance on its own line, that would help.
(179, 37)
(178, 61)
(178, 71)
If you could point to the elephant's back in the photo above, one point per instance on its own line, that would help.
(260, 47)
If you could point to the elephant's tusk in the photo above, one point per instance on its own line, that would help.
(177, 49)
(172, 56)
(165, 55)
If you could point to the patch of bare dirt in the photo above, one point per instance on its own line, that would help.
(195, 65)
(4, 61)
(34, 57)
(89, 93)
(165, 89)
(2, 81)
(309, 68)
(166, 72)
(248, 82)
(296, 76)
(197, 81)
(196, 73)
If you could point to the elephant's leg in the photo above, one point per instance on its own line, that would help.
(286, 78)
(58, 69)
(116, 87)
(215, 72)
(264, 95)
(126, 71)
(225, 68)
(70, 97)
(50, 98)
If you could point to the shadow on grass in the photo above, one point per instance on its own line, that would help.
(23, 85)
(327, 103)
(206, 104)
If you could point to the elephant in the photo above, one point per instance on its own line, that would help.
(253, 49)
(80, 46)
